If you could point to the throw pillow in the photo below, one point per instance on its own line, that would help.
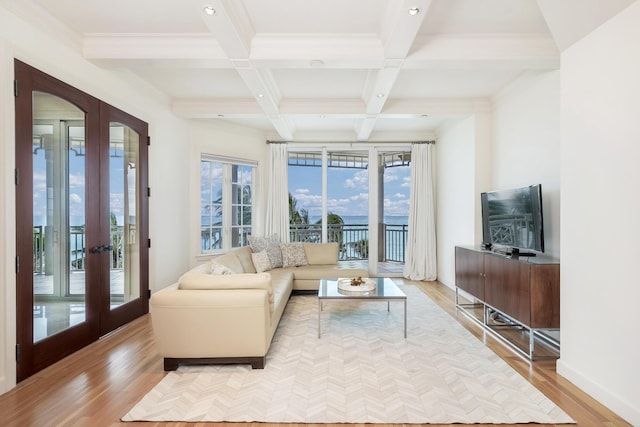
(270, 244)
(219, 269)
(293, 255)
(261, 261)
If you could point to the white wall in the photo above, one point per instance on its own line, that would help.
(455, 194)
(231, 141)
(169, 151)
(526, 144)
(463, 156)
(601, 214)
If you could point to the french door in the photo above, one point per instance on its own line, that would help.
(81, 219)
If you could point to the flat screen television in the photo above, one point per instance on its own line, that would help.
(512, 220)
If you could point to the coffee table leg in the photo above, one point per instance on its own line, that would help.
(405, 317)
(319, 311)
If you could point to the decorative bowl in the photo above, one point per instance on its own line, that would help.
(365, 285)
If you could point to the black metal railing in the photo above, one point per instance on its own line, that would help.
(353, 239)
(77, 248)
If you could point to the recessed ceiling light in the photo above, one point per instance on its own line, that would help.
(414, 11)
(209, 10)
(380, 95)
(260, 95)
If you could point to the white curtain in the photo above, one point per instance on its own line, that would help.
(420, 262)
(278, 193)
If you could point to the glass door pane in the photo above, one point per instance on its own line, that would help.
(348, 203)
(211, 205)
(241, 202)
(394, 173)
(124, 260)
(59, 280)
(305, 196)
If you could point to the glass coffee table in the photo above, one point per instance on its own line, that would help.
(385, 290)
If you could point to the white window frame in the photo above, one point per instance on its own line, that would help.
(373, 149)
(227, 204)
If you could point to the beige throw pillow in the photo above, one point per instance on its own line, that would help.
(269, 244)
(293, 255)
(261, 261)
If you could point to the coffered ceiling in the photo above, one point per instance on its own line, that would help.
(309, 69)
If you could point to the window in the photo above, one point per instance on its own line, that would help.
(226, 203)
(356, 195)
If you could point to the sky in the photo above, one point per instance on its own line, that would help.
(76, 189)
(348, 190)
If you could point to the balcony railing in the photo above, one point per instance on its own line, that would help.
(353, 239)
(77, 249)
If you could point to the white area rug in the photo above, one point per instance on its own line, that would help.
(361, 370)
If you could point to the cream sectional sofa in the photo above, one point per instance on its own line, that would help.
(207, 318)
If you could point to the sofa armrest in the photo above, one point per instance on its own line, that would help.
(204, 323)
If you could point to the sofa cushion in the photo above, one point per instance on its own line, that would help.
(231, 261)
(244, 256)
(261, 261)
(335, 271)
(200, 281)
(321, 253)
(270, 244)
(293, 254)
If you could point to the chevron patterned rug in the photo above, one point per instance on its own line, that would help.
(361, 370)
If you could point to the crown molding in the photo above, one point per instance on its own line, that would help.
(153, 46)
(36, 15)
(507, 51)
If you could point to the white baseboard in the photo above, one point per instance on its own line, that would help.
(620, 405)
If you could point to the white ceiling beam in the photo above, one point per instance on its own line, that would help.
(284, 126)
(376, 92)
(335, 50)
(323, 106)
(263, 87)
(399, 28)
(408, 108)
(365, 128)
(533, 51)
(379, 88)
(216, 108)
(230, 25)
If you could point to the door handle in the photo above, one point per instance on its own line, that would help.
(101, 249)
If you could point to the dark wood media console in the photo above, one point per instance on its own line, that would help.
(518, 299)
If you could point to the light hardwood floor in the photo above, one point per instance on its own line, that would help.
(99, 384)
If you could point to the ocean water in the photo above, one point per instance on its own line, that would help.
(395, 243)
(363, 219)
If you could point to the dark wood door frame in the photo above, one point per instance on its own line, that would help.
(100, 319)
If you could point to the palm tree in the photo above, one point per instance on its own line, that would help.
(334, 225)
(297, 216)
